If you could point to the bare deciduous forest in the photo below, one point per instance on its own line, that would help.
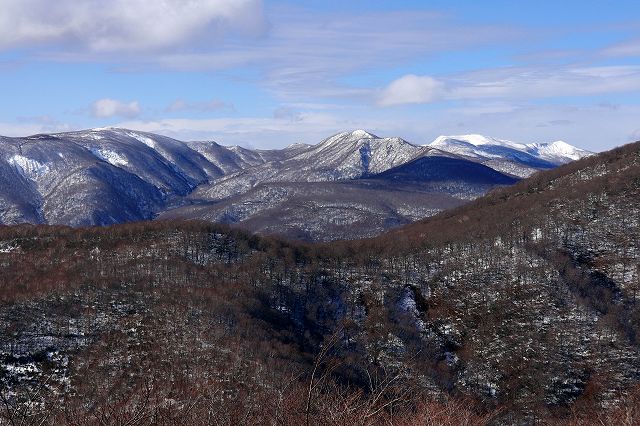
(518, 308)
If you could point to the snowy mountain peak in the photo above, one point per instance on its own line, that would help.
(558, 150)
(485, 149)
(348, 137)
(297, 145)
(473, 139)
(361, 134)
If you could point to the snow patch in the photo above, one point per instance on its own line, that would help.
(362, 134)
(144, 139)
(109, 156)
(9, 247)
(28, 167)
(347, 137)
(536, 234)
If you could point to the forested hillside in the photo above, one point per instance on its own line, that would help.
(519, 307)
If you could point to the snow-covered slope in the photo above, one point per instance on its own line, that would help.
(558, 152)
(95, 177)
(347, 155)
(110, 175)
(507, 156)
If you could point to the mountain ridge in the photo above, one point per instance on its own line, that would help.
(111, 175)
(493, 152)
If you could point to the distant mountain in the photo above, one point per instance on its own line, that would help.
(353, 184)
(347, 209)
(96, 177)
(323, 211)
(349, 185)
(348, 155)
(510, 157)
(446, 169)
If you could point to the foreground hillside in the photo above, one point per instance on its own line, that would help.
(519, 307)
(110, 176)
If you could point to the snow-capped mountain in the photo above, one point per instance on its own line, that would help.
(510, 157)
(347, 155)
(558, 152)
(105, 176)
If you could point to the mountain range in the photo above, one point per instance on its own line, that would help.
(352, 184)
(518, 308)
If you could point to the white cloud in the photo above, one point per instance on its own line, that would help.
(509, 84)
(124, 25)
(595, 128)
(105, 108)
(305, 54)
(412, 89)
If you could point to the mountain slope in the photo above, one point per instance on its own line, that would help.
(322, 211)
(348, 155)
(350, 209)
(446, 169)
(96, 177)
(510, 157)
(522, 303)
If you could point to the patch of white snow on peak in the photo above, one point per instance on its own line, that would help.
(558, 150)
(95, 136)
(343, 137)
(298, 145)
(362, 134)
(96, 133)
(27, 167)
(144, 139)
(109, 156)
(475, 140)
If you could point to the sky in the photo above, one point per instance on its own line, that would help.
(265, 74)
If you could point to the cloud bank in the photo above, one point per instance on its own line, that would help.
(124, 25)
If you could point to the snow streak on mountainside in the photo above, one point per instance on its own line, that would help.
(105, 176)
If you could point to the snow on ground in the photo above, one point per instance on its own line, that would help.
(109, 156)
(29, 168)
(144, 139)
(557, 150)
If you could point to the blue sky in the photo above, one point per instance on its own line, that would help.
(269, 73)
